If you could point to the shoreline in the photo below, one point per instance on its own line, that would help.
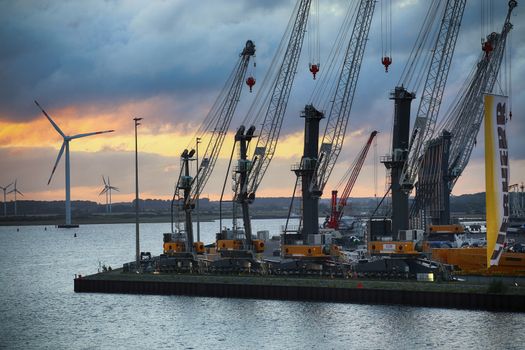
(110, 219)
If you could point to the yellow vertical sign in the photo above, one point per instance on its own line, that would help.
(496, 176)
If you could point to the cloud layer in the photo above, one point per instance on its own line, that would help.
(95, 65)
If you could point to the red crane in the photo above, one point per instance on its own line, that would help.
(337, 208)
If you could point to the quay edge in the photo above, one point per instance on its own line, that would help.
(422, 294)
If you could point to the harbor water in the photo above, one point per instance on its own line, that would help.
(39, 309)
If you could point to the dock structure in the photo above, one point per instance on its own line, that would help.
(475, 296)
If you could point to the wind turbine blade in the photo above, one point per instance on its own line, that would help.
(20, 193)
(58, 159)
(109, 184)
(114, 188)
(51, 120)
(90, 134)
(11, 191)
(104, 180)
(6, 187)
(103, 191)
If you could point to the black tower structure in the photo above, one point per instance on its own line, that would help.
(432, 201)
(244, 165)
(306, 171)
(395, 162)
(185, 185)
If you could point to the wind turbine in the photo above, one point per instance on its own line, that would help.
(107, 190)
(5, 204)
(65, 145)
(15, 191)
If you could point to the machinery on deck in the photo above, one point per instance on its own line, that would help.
(180, 245)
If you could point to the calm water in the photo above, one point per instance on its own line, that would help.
(38, 308)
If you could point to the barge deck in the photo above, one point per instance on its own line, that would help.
(461, 295)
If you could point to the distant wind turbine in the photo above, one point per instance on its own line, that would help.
(15, 191)
(5, 204)
(107, 190)
(65, 145)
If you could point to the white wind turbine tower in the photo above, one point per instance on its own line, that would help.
(107, 190)
(5, 203)
(15, 191)
(65, 145)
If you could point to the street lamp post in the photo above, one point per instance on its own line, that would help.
(198, 195)
(137, 241)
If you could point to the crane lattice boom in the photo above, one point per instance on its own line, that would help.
(465, 120)
(433, 90)
(282, 85)
(447, 155)
(339, 114)
(220, 117)
(337, 211)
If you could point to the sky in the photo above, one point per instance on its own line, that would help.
(95, 65)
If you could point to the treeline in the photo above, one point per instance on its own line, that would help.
(469, 203)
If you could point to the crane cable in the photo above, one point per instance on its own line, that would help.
(257, 112)
(510, 75)
(313, 33)
(386, 33)
(424, 39)
(211, 119)
(224, 187)
(325, 86)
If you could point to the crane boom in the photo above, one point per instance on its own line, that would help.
(220, 116)
(218, 121)
(443, 164)
(465, 121)
(337, 210)
(317, 162)
(339, 114)
(432, 94)
(249, 173)
(282, 85)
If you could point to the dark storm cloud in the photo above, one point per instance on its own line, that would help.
(105, 53)
(109, 52)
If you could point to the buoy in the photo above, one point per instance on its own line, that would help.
(487, 48)
(75, 235)
(314, 68)
(386, 61)
(250, 82)
(360, 285)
